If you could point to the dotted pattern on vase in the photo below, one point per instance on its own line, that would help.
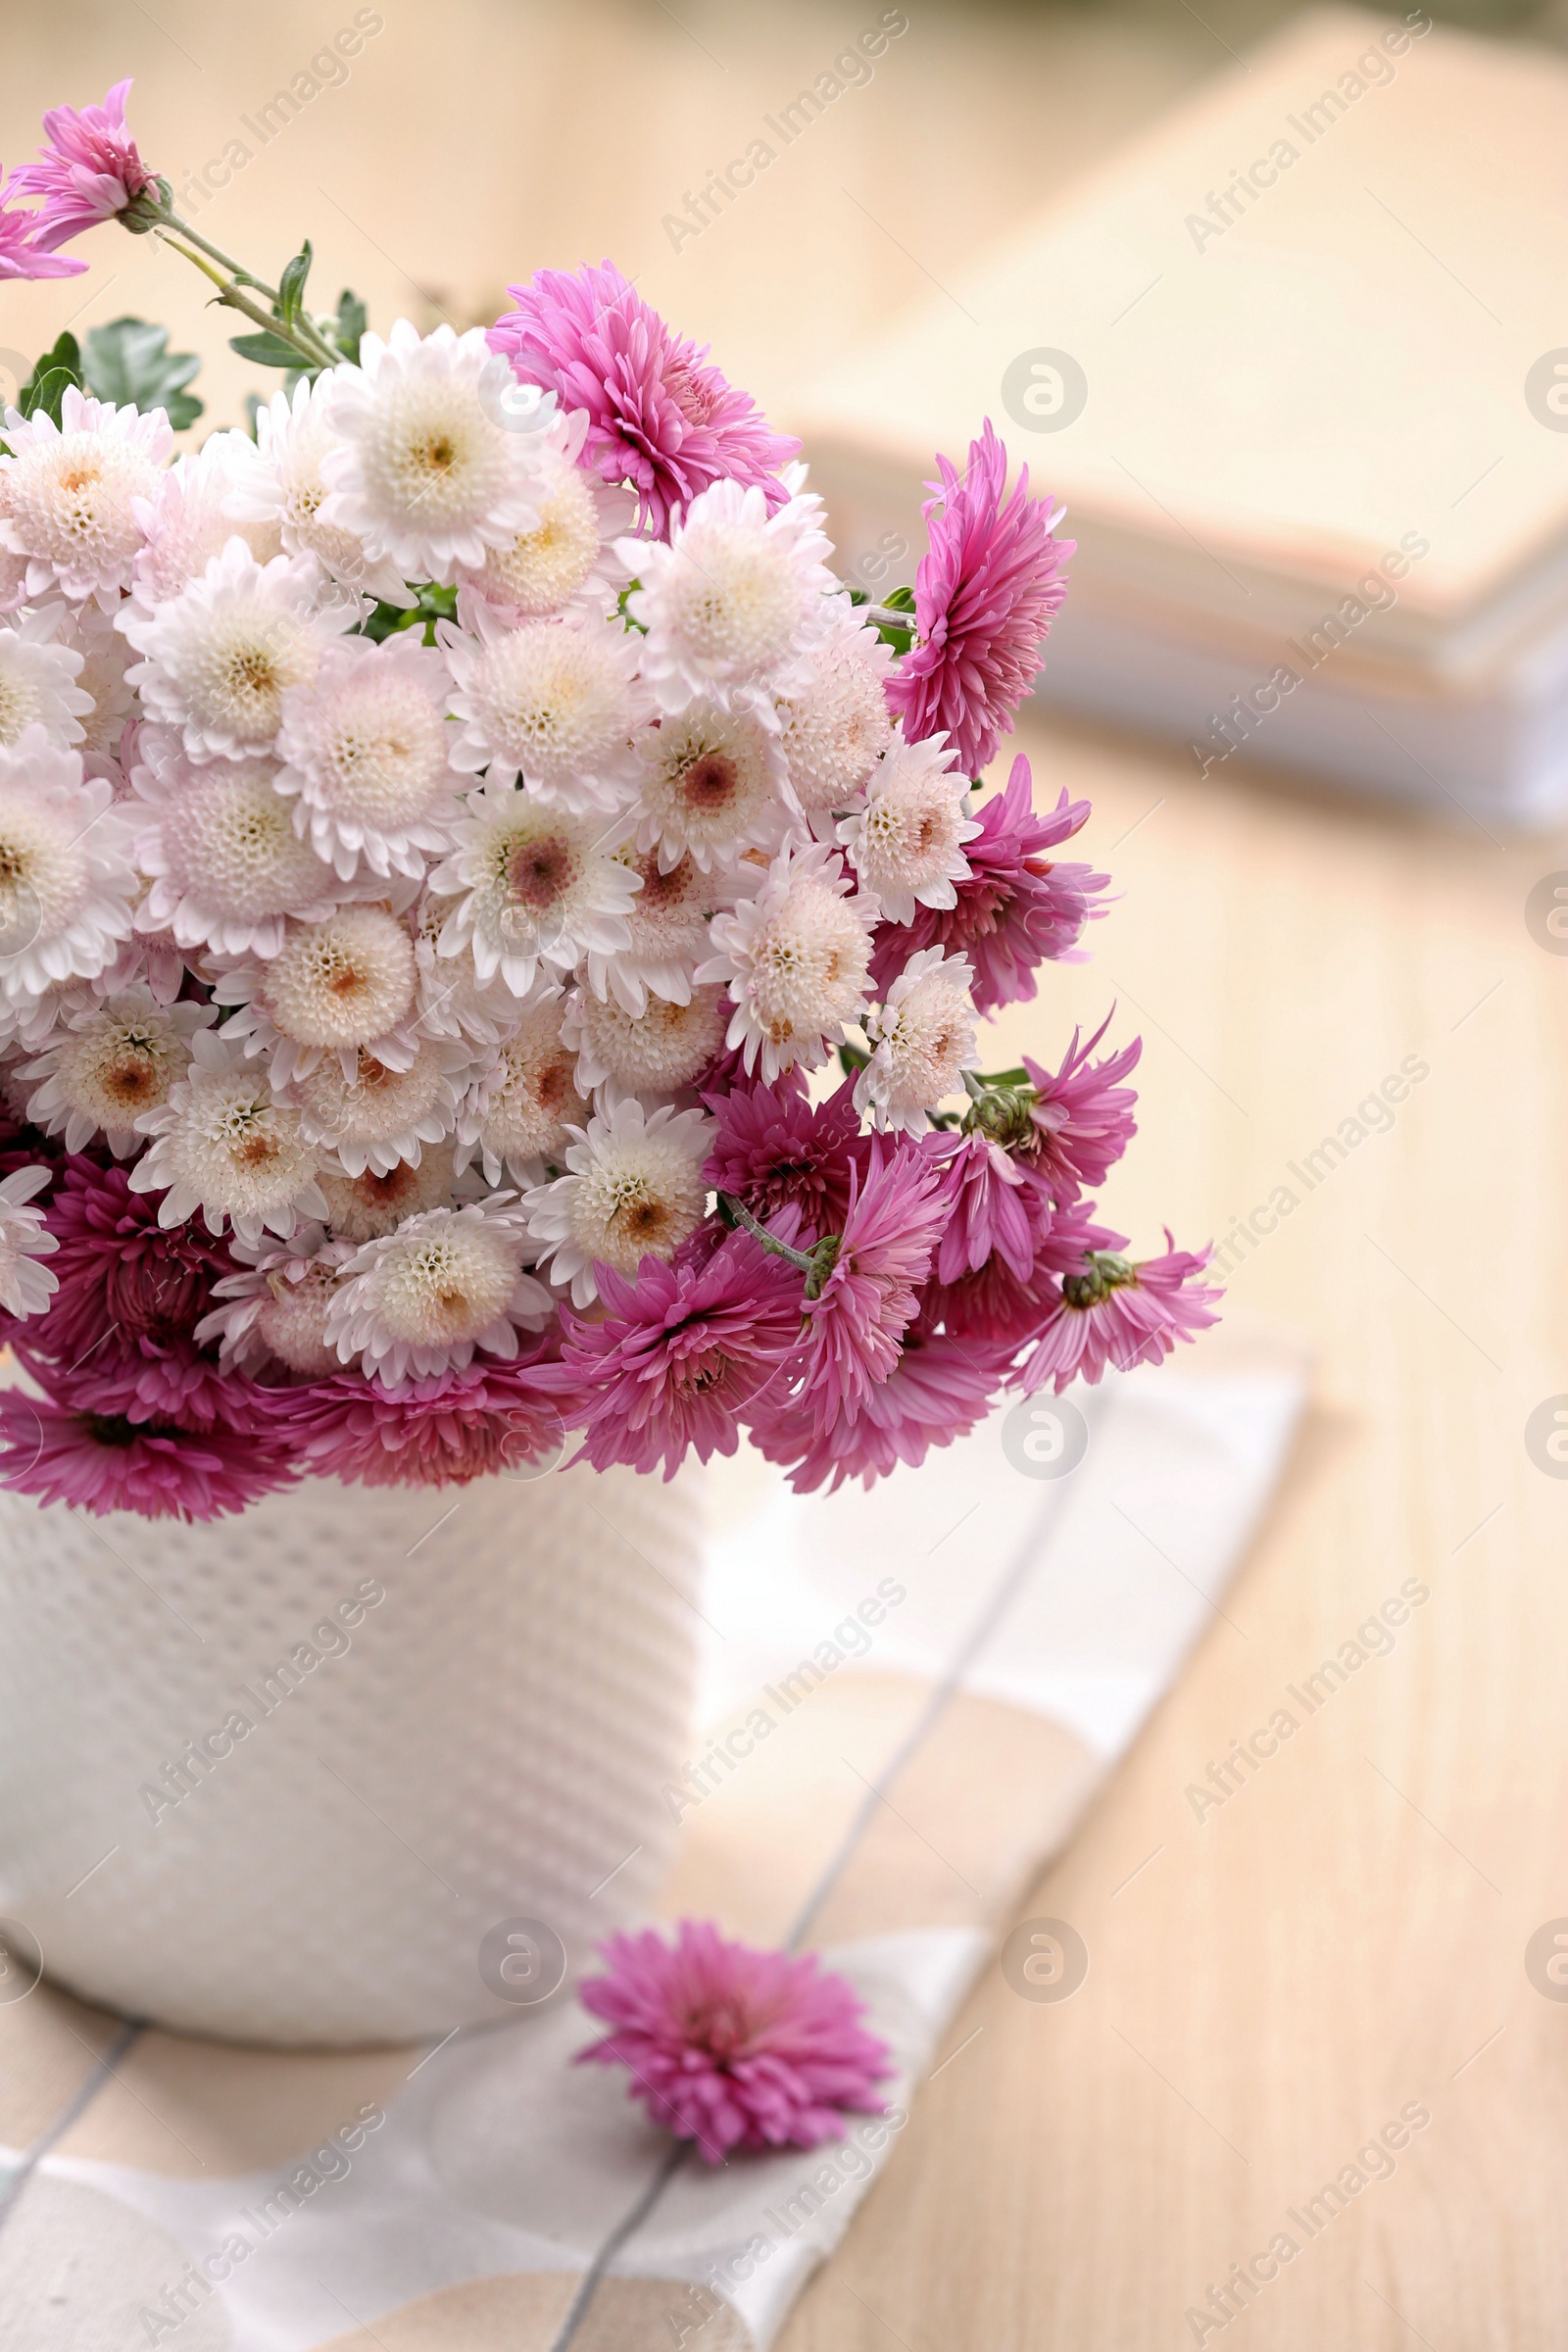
(489, 1741)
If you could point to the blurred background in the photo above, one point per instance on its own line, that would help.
(1292, 931)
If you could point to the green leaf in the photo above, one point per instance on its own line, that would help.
(265, 350)
(898, 600)
(291, 285)
(52, 378)
(352, 321)
(129, 362)
(435, 604)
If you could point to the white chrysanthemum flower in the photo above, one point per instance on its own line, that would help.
(66, 879)
(105, 656)
(333, 988)
(366, 749)
(360, 1208)
(276, 1310)
(281, 484)
(423, 471)
(110, 1059)
(634, 1190)
(535, 889)
(922, 1041)
(223, 1143)
(71, 492)
(522, 1106)
(555, 702)
(219, 659)
(837, 726)
(424, 1297)
(730, 604)
(652, 1053)
(227, 868)
(188, 519)
(713, 786)
(452, 1000)
(796, 959)
(39, 679)
(568, 561)
(26, 1287)
(380, 1117)
(669, 925)
(907, 843)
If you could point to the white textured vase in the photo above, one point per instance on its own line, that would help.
(242, 1794)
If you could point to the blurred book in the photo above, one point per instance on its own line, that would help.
(1298, 365)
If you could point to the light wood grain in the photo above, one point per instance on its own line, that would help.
(1348, 1931)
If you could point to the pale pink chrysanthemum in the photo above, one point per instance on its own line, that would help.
(835, 726)
(274, 1309)
(40, 675)
(110, 1058)
(730, 604)
(334, 991)
(188, 519)
(923, 1038)
(796, 959)
(556, 703)
(652, 1053)
(529, 890)
(21, 254)
(1111, 1311)
(906, 841)
(666, 927)
(70, 494)
(422, 470)
(682, 1354)
(65, 878)
(633, 1189)
(280, 486)
(218, 657)
(984, 598)
(422, 1300)
(26, 1287)
(89, 171)
(223, 1143)
(1016, 908)
(367, 757)
(378, 1116)
(522, 1106)
(361, 1208)
(713, 786)
(564, 563)
(658, 417)
(228, 869)
(867, 1299)
(734, 2047)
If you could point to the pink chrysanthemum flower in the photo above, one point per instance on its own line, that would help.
(866, 1301)
(658, 419)
(20, 255)
(1110, 1310)
(684, 1351)
(484, 1420)
(940, 1388)
(100, 1461)
(90, 169)
(984, 598)
(1016, 909)
(733, 2047)
(130, 1295)
(1082, 1120)
(773, 1150)
(990, 1211)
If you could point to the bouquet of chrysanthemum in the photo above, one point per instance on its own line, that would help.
(492, 929)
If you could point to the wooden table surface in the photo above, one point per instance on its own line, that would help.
(1343, 1939)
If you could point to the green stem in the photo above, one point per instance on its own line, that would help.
(742, 1216)
(312, 350)
(236, 270)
